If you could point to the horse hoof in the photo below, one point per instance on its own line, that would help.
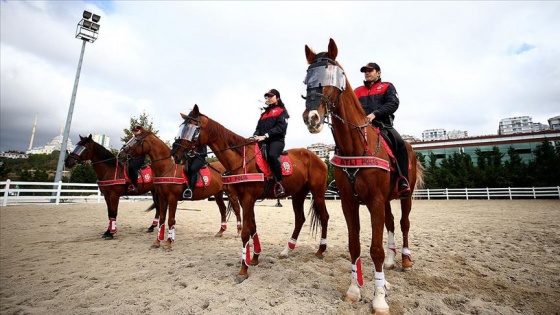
(241, 278)
(319, 255)
(155, 244)
(219, 234)
(108, 237)
(407, 263)
(389, 267)
(352, 299)
(150, 229)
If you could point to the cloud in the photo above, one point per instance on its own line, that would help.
(456, 65)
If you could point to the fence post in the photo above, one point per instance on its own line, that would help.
(509, 190)
(6, 193)
(534, 195)
(467, 193)
(488, 193)
(447, 193)
(58, 192)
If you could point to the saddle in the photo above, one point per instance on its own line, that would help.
(144, 175)
(389, 146)
(203, 177)
(285, 162)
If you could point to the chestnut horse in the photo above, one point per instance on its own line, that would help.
(239, 157)
(363, 171)
(170, 184)
(110, 179)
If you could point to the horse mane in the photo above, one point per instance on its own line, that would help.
(218, 131)
(104, 155)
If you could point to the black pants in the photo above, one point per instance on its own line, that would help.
(191, 169)
(399, 150)
(274, 149)
(134, 166)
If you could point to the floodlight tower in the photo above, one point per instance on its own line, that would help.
(87, 30)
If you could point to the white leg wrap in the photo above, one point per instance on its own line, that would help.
(292, 243)
(379, 279)
(323, 241)
(171, 234)
(391, 240)
(406, 251)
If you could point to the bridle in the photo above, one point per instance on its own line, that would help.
(77, 155)
(191, 133)
(325, 72)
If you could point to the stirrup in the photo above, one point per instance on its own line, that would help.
(187, 194)
(279, 190)
(132, 188)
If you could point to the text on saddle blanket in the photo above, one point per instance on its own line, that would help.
(145, 177)
(360, 162)
(285, 164)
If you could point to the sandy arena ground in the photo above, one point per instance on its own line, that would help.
(471, 257)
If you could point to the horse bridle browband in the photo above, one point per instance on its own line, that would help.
(191, 152)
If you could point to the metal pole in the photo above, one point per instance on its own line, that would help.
(63, 145)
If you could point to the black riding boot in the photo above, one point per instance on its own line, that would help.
(403, 187)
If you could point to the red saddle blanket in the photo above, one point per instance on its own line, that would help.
(145, 175)
(203, 178)
(285, 164)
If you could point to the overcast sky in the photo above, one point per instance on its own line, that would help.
(456, 65)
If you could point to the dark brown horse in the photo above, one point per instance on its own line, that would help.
(170, 184)
(239, 157)
(110, 179)
(362, 169)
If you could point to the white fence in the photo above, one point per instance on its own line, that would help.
(12, 193)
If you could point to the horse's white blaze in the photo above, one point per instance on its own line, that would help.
(314, 123)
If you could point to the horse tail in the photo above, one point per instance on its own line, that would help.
(152, 207)
(419, 176)
(315, 217)
(155, 204)
(229, 209)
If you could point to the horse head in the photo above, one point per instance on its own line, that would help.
(325, 81)
(82, 152)
(189, 138)
(135, 147)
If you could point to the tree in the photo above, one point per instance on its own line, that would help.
(545, 168)
(330, 170)
(83, 173)
(491, 172)
(143, 120)
(516, 170)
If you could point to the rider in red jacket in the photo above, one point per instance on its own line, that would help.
(271, 130)
(380, 102)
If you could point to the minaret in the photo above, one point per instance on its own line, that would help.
(33, 133)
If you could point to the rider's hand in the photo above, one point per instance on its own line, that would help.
(370, 117)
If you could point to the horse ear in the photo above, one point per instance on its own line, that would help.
(183, 116)
(89, 137)
(196, 110)
(309, 54)
(333, 50)
(81, 138)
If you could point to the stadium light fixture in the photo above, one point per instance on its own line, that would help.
(87, 30)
